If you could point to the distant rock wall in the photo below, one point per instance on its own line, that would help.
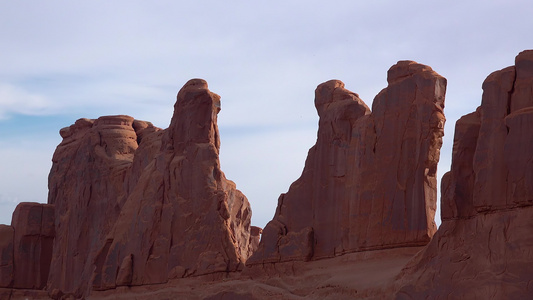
(492, 166)
(131, 204)
(484, 247)
(370, 180)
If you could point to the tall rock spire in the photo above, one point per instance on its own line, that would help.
(483, 248)
(183, 217)
(139, 205)
(369, 182)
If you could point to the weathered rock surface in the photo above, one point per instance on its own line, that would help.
(484, 247)
(139, 205)
(370, 180)
(359, 275)
(86, 185)
(6, 255)
(182, 217)
(151, 215)
(33, 224)
(26, 246)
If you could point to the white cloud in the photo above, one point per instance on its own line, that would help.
(18, 101)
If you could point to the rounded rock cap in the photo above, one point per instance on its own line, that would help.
(405, 68)
(196, 83)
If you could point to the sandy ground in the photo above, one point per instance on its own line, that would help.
(364, 275)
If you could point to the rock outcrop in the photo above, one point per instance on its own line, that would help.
(484, 247)
(6, 255)
(26, 246)
(139, 212)
(139, 205)
(370, 180)
(86, 185)
(182, 217)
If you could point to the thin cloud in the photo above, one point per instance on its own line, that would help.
(14, 100)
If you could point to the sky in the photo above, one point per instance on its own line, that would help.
(65, 60)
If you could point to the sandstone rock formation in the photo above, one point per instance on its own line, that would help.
(370, 180)
(182, 217)
(484, 247)
(139, 205)
(139, 212)
(6, 255)
(86, 185)
(26, 246)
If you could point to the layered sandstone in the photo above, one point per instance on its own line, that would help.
(484, 247)
(140, 212)
(139, 205)
(182, 217)
(86, 185)
(370, 180)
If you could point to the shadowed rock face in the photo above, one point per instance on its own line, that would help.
(492, 155)
(370, 180)
(26, 246)
(484, 247)
(139, 205)
(6, 255)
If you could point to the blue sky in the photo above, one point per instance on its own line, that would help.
(64, 60)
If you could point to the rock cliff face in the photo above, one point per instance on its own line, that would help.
(26, 247)
(139, 205)
(86, 185)
(370, 180)
(182, 217)
(139, 212)
(484, 247)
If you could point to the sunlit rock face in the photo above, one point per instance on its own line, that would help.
(370, 180)
(138, 205)
(183, 217)
(134, 209)
(86, 185)
(484, 247)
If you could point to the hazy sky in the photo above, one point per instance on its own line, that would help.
(64, 60)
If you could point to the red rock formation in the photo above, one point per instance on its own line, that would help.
(183, 217)
(484, 247)
(136, 205)
(142, 205)
(370, 180)
(26, 246)
(6, 255)
(86, 184)
(33, 224)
